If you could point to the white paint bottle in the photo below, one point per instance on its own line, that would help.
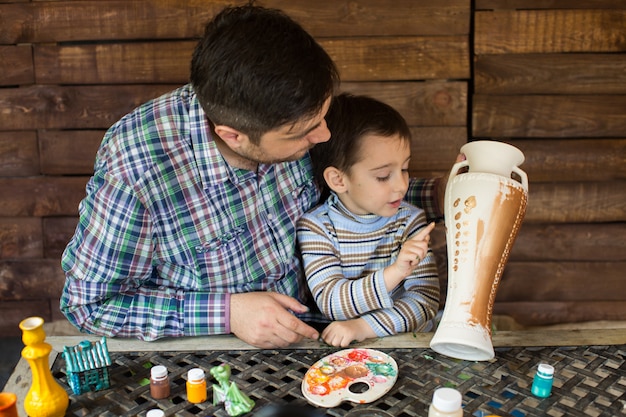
(447, 402)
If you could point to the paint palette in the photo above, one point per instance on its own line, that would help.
(357, 375)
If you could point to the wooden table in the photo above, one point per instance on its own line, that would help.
(590, 375)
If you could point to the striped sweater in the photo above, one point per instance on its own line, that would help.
(344, 256)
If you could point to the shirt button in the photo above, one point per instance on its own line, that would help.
(270, 216)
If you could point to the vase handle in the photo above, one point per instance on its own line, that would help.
(522, 176)
(456, 168)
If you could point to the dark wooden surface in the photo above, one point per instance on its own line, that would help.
(534, 73)
(65, 83)
(548, 77)
(549, 31)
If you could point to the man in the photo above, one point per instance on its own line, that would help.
(188, 225)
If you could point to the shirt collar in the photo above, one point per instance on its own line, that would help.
(335, 203)
(211, 164)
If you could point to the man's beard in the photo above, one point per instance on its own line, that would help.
(263, 158)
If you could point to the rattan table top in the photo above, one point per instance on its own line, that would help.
(589, 381)
(590, 375)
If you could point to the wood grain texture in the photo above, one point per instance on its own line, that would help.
(546, 76)
(434, 150)
(528, 338)
(572, 160)
(570, 242)
(71, 107)
(432, 103)
(57, 232)
(30, 280)
(548, 31)
(21, 238)
(16, 65)
(401, 58)
(99, 106)
(358, 59)
(155, 62)
(70, 152)
(551, 4)
(562, 281)
(545, 313)
(580, 73)
(549, 116)
(41, 196)
(12, 312)
(556, 242)
(577, 202)
(327, 18)
(19, 154)
(64, 21)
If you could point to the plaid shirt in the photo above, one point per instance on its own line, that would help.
(167, 230)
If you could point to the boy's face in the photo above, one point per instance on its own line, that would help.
(290, 142)
(378, 182)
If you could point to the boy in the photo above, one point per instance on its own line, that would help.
(365, 250)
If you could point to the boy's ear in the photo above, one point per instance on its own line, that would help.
(232, 137)
(335, 179)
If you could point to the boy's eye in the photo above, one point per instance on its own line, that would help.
(383, 179)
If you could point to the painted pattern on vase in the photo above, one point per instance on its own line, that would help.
(483, 211)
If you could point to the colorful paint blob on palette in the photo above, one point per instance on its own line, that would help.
(329, 381)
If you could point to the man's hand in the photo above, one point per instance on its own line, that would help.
(262, 320)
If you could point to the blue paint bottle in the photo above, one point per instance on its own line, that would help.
(542, 383)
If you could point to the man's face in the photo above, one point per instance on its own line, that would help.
(290, 142)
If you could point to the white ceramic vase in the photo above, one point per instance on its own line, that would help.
(485, 202)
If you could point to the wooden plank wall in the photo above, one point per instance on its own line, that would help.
(70, 69)
(550, 78)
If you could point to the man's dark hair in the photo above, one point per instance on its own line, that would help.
(349, 118)
(255, 69)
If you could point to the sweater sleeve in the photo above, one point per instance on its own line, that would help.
(416, 300)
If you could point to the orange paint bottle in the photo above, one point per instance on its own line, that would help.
(196, 386)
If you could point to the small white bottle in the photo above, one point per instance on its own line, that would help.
(447, 402)
(155, 412)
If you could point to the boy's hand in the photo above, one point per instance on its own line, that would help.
(411, 254)
(418, 244)
(342, 333)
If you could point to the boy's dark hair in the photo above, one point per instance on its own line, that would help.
(349, 118)
(255, 69)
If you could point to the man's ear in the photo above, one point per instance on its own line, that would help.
(232, 137)
(335, 179)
